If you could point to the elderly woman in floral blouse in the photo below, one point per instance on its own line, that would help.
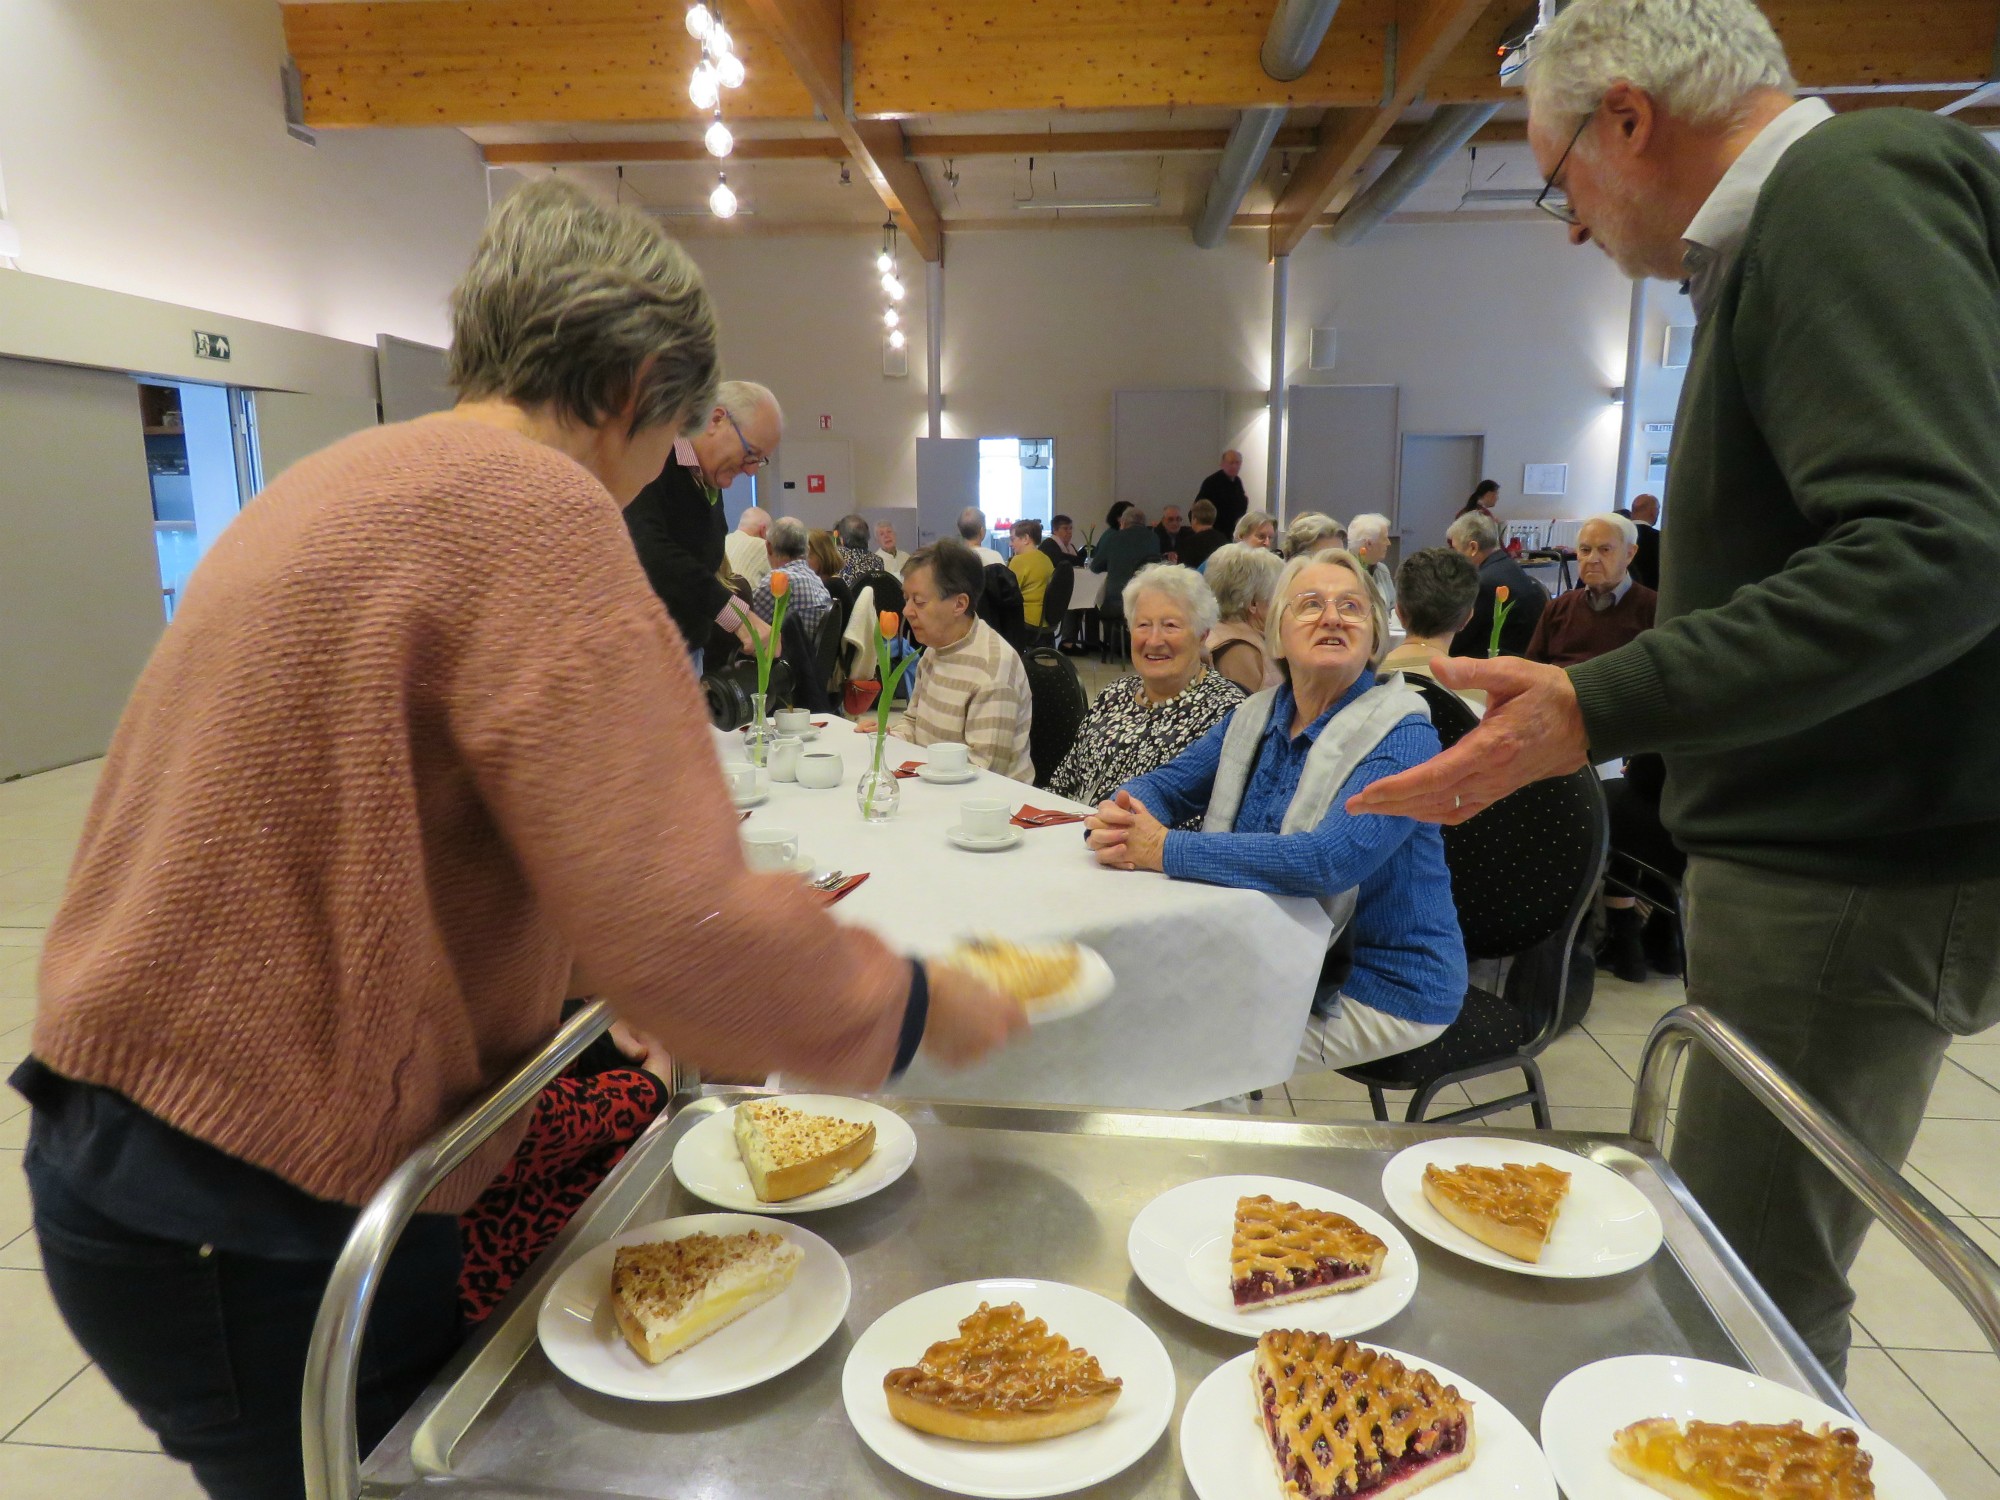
(1172, 698)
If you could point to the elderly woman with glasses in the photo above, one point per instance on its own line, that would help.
(1270, 788)
(1172, 698)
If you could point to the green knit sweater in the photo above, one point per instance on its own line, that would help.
(1825, 677)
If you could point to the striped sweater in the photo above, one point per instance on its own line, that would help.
(974, 691)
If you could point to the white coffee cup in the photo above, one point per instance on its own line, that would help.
(742, 778)
(771, 849)
(819, 768)
(785, 758)
(794, 721)
(984, 817)
(948, 759)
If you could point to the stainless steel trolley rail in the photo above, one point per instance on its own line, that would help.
(1016, 1190)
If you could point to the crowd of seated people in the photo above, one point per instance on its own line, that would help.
(1031, 567)
(790, 546)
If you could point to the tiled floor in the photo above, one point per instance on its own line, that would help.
(1920, 1372)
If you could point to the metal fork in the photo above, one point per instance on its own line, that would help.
(828, 881)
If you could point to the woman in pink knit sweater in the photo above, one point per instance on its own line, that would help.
(419, 740)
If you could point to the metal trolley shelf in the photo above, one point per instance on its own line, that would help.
(1047, 1192)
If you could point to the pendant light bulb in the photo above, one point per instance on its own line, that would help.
(891, 318)
(729, 70)
(699, 21)
(719, 41)
(703, 88)
(885, 263)
(892, 288)
(722, 202)
(718, 140)
(895, 338)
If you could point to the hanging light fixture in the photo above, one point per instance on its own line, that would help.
(895, 338)
(699, 21)
(704, 88)
(729, 70)
(891, 318)
(892, 286)
(718, 139)
(719, 68)
(722, 201)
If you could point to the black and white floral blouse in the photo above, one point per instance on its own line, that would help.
(1127, 736)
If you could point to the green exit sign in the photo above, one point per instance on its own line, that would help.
(210, 345)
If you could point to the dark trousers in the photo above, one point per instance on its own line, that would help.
(209, 1347)
(1855, 992)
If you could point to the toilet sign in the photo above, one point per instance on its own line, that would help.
(825, 422)
(815, 484)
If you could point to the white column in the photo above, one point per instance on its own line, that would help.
(934, 341)
(1628, 421)
(1274, 464)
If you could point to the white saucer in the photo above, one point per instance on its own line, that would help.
(992, 845)
(1589, 1405)
(1179, 1247)
(1227, 1456)
(940, 778)
(1605, 1225)
(708, 1164)
(581, 1337)
(1125, 1346)
(756, 798)
(804, 736)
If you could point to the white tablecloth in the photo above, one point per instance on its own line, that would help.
(1089, 590)
(1214, 985)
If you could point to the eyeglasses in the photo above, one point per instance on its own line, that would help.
(752, 459)
(1553, 201)
(1349, 609)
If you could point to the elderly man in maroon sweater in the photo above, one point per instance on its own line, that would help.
(1608, 609)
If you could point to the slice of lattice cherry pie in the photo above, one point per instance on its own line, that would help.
(1281, 1252)
(1347, 1422)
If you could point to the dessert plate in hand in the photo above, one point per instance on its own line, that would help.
(1124, 1346)
(1093, 985)
(1227, 1456)
(708, 1164)
(581, 1337)
(1591, 1405)
(1605, 1225)
(1179, 1247)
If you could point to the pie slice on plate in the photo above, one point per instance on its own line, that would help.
(673, 1293)
(1281, 1252)
(1004, 1379)
(789, 1153)
(1031, 974)
(1741, 1460)
(1347, 1422)
(1512, 1208)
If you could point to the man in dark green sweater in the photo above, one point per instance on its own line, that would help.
(1822, 680)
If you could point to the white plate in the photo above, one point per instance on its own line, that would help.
(1588, 1406)
(1179, 1246)
(582, 1339)
(708, 1164)
(804, 737)
(1227, 1456)
(1126, 1347)
(1606, 1225)
(983, 844)
(941, 778)
(1092, 986)
(756, 798)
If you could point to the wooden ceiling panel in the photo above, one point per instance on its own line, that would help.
(1838, 44)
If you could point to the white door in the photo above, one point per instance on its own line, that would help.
(1439, 472)
(947, 482)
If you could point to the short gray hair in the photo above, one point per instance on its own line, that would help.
(852, 531)
(1378, 612)
(1184, 586)
(788, 538)
(1252, 521)
(1308, 530)
(1701, 59)
(972, 523)
(1625, 526)
(1367, 527)
(1242, 578)
(1474, 526)
(755, 521)
(565, 303)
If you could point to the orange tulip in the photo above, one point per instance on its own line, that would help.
(889, 623)
(1500, 594)
(781, 583)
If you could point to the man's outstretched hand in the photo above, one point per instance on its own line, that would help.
(1533, 730)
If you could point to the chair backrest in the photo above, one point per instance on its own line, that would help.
(888, 591)
(843, 594)
(1059, 707)
(1055, 602)
(826, 642)
(1000, 605)
(801, 651)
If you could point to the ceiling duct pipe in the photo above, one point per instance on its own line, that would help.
(1289, 46)
(1443, 137)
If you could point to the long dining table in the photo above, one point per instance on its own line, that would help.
(1213, 984)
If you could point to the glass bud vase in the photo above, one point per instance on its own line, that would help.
(878, 795)
(757, 733)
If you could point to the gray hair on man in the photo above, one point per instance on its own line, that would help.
(1184, 586)
(972, 524)
(851, 531)
(574, 303)
(789, 538)
(1241, 578)
(1701, 60)
(1366, 528)
(1628, 531)
(1288, 581)
(1311, 530)
(755, 521)
(1252, 522)
(743, 399)
(1474, 529)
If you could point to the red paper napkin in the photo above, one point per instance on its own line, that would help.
(827, 898)
(1044, 817)
(744, 816)
(906, 770)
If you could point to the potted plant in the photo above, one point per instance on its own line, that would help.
(877, 792)
(758, 735)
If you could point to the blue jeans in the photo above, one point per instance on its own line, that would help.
(209, 1347)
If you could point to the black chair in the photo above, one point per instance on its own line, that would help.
(826, 642)
(1000, 605)
(802, 650)
(888, 591)
(729, 687)
(843, 594)
(1058, 704)
(1523, 872)
(1117, 640)
(1055, 605)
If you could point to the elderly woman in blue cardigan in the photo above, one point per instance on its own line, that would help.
(1270, 785)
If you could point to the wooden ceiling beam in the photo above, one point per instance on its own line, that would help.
(812, 36)
(571, 153)
(1428, 32)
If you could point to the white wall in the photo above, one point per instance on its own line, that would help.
(1493, 328)
(144, 151)
(1656, 390)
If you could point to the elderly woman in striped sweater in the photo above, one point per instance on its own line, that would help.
(1270, 786)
